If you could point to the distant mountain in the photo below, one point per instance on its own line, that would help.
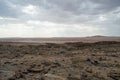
(99, 36)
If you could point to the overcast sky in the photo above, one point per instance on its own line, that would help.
(59, 18)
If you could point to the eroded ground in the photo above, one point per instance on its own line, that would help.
(68, 61)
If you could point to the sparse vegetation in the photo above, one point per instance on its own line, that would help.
(68, 61)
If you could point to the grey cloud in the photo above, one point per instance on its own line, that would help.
(72, 6)
(106, 5)
(9, 9)
(61, 11)
(5, 10)
(86, 12)
(85, 6)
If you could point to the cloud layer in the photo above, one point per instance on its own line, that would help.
(59, 18)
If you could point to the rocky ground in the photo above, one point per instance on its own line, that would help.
(68, 61)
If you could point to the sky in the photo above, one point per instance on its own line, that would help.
(59, 18)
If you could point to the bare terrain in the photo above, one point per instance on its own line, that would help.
(90, 39)
(90, 58)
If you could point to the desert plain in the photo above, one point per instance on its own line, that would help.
(91, 58)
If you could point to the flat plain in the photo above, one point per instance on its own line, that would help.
(91, 58)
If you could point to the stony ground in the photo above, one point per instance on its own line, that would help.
(68, 61)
